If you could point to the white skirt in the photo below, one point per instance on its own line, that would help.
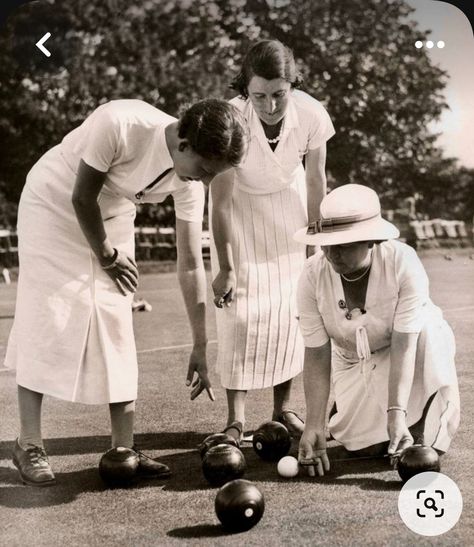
(259, 343)
(361, 392)
(72, 336)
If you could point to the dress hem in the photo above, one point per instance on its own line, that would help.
(63, 397)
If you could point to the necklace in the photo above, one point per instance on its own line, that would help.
(358, 277)
(277, 138)
(363, 274)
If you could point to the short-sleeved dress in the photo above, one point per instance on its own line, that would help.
(259, 344)
(72, 336)
(397, 299)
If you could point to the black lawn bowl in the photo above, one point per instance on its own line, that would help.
(239, 505)
(118, 467)
(214, 440)
(271, 441)
(417, 459)
(223, 463)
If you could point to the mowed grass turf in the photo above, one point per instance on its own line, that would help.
(355, 505)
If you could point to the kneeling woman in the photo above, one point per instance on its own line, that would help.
(367, 320)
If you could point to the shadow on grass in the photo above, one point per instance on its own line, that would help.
(199, 531)
(68, 487)
(185, 468)
(186, 476)
(66, 446)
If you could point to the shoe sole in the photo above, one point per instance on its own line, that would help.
(28, 482)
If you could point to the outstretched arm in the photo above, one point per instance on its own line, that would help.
(316, 375)
(316, 185)
(192, 280)
(224, 283)
(402, 369)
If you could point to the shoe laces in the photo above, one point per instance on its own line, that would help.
(38, 455)
(140, 453)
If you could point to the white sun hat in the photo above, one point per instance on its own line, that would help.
(349, 213)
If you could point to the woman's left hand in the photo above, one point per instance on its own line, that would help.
(399, 435)
(198, 365)
(223, 287)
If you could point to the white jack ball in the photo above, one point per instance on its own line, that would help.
(288, 467)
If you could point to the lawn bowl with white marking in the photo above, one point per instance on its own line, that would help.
(288, 467)
(239, 505)
(271, 441)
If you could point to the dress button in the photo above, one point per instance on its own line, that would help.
(341, 304)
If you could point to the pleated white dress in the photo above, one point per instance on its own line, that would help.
(72, 336)
(397, 299)
(259, 344)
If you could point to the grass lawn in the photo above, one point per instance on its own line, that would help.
(355, 505)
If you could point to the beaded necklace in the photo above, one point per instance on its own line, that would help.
(278, 137)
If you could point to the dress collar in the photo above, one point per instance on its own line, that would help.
(291, 116)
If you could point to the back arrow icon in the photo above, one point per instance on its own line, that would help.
(41, 41)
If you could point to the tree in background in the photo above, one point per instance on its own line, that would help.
(357, 57)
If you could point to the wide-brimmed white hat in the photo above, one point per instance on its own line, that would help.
(349, 213)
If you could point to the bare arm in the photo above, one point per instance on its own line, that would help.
(316, 375)
(402, 369)
(224, 283)
(316, 185)
(192, 280)
(86, 191)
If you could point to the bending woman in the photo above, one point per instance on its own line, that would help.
(72, 336)
(367, 320)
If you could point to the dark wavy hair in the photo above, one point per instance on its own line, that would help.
(215, 129)
(269, 59)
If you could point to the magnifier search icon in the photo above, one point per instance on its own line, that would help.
(430, 503)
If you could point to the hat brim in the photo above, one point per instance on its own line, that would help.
(378, 230)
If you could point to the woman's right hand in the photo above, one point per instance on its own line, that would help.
(124, 274)
(398, 432)
(224, 287)
(312, 452)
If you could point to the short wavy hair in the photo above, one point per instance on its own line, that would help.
(215, 129)
(269, 59)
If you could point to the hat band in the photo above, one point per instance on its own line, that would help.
(337, 224)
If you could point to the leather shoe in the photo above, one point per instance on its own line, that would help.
(33, 465)
(292, 422)
(237, 427)
(148, 468)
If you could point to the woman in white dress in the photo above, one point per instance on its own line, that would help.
(367, 320)
(256, 208)
(72, 336)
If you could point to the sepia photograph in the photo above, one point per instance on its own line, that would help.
(236, 273)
